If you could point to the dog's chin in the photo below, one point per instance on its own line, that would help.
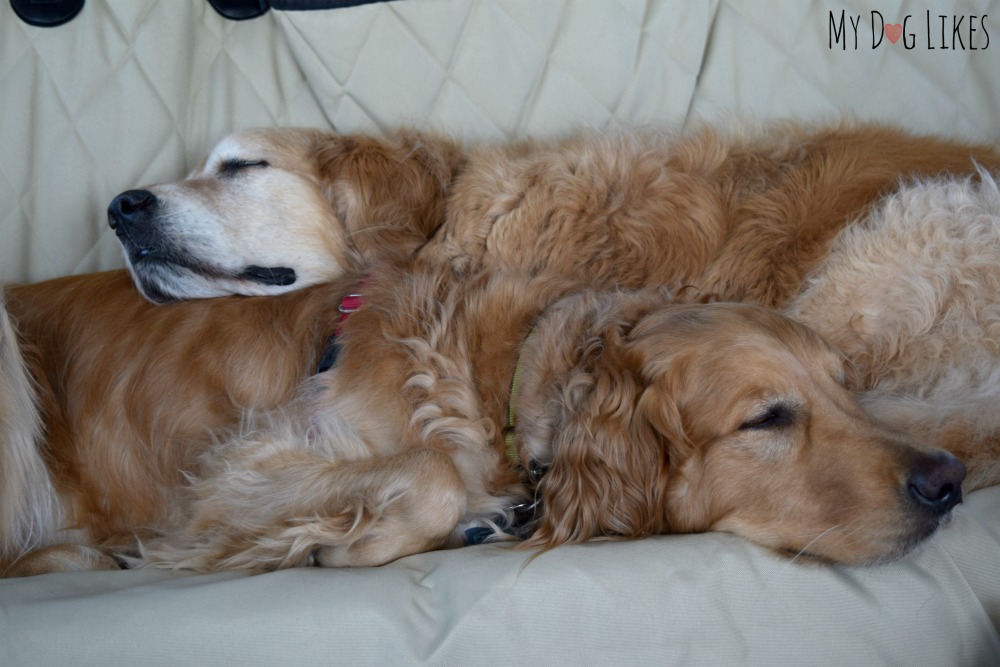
(161, 281)
(155, 284)
(152, 293)
(896, 548)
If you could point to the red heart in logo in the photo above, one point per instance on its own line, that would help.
(893, 31)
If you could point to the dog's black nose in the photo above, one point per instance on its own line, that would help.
(130, 206)
(936, 482)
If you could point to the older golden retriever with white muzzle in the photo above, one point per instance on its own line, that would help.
(633, 415)
(106, 400)
(270, 211)
(741, 213)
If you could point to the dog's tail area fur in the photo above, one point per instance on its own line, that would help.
(29, 507)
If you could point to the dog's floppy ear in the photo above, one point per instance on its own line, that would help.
(657, 408)
(608, 472)
(389, 192)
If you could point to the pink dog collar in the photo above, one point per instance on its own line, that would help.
(348, 305)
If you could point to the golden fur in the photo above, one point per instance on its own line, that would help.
(270, 211)
(911, 296)
(131, 395)
(741, 214)
(741, 217)
(650, 416)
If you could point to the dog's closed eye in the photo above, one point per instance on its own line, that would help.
(234, 166)
(778, 415)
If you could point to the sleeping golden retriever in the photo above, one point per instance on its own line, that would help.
(460, 403)
(743, 217)
(131, 395)
(270, 211)
(740, 214)
(634, 415)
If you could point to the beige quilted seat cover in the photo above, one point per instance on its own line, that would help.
(135, 91)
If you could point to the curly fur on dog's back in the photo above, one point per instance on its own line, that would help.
(910, 290)
(911, 295)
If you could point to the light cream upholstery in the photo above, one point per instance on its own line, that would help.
(135, 91)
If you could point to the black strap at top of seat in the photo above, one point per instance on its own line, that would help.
(46, 13)
(239, 10)
(51, 13)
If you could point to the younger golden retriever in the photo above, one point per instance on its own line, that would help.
(634, 415)
(637, 414)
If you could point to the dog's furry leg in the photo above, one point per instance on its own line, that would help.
(294, 507)
(61, 558)
(30, 514)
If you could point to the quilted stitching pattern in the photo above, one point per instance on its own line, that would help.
(129, 92)
(779, 62)
(502, 68)
(135, 91)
